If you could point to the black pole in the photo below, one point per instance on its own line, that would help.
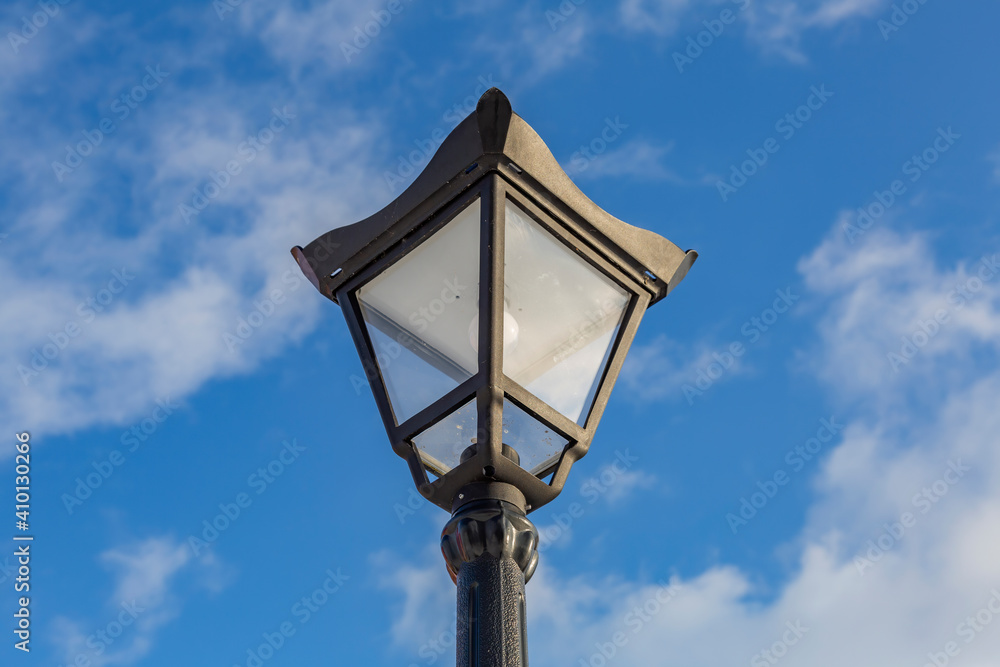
(491, 549)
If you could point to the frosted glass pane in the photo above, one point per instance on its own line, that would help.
(419, 312)
(567, 314)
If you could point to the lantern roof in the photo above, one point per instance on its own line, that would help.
(492, 138)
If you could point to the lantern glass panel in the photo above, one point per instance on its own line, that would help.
(566, 314)
(441, 446)
(419, 312)
(538, 446)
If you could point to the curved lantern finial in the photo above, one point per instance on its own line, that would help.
(492, 137)
(493, 113)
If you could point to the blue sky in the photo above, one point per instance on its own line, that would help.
(805, 431)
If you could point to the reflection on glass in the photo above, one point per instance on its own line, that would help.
(418, 313)
(441, 446)
(567, 312)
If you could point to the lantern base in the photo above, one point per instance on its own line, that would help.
(491, 550)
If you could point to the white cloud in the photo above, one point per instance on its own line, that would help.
(613, 484)
(147, 576)
(423, 588)
(636, 159)
(776, 26)
(26, 50)
(779, 25)
(145, 569)
(661, 17)
(336, 34)
(931, 465)
(529, 45)
(831, 12)
(626, 484)
(163, 334)
(880, 337)
(660, 369)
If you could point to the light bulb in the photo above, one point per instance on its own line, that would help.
(511, 331)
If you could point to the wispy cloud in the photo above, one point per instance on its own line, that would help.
(778, 26)
(774, 26)
(144, 599)
(661, 370)
(167, 328)
(636, 159)
(528, 48)
(424, 586)
(897, 326)
(662, 17)
(335, 34)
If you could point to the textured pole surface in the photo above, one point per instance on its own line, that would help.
(490, 547)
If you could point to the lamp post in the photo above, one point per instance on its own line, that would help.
(492, 304)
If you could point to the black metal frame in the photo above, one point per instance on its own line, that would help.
(493, 156)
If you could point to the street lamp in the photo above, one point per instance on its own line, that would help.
(492, 304)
